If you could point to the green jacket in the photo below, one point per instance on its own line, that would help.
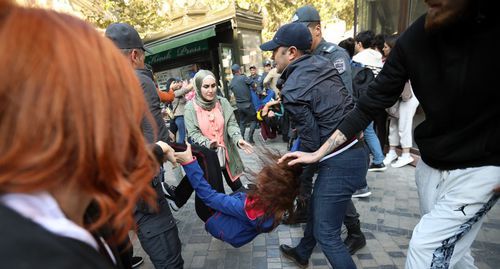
(231, 134)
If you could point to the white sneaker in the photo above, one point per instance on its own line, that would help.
(390, 157)
(402, 161)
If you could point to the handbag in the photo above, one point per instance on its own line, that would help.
(221, 155)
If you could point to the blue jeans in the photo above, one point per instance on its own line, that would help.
(338, 178)
(374, 144)
(181, 128)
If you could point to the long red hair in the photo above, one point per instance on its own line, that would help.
(70, 113)
(277, 186)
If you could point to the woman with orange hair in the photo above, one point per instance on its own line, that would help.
(238, 218)
(61, 150)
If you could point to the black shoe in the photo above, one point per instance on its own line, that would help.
(377, 167)
(169, 192)
(251, 141)
(290, 253)
(355, 242)
(136, 261)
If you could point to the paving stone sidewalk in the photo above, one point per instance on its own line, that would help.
(387, 217)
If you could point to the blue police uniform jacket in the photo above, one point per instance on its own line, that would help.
(231, 222)
(339, 58)
(315, 98)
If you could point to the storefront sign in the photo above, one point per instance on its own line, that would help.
(188, 49)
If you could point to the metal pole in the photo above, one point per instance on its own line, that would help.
(355, 17)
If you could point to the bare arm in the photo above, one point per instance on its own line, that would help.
(337, 139)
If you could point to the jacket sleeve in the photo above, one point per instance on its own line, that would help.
(181, 92)
(233, 130)
(150, 94)
(192, 126)
(166, 96)
(224, 203)
(382, 93)
(158, 153)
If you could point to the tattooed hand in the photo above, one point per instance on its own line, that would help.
(337, 139)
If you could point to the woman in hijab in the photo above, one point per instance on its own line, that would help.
(210, 122)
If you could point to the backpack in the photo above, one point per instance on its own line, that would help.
(361, 77)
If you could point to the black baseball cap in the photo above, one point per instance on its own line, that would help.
(306, 15)
(292, 34)
(267, 62)
(125, 36)
(253, 66)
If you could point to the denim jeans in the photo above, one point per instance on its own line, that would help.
(338, 178)
(179, 121)
(374, 145)
(306, 186)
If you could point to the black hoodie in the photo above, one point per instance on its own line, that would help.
(454, 74)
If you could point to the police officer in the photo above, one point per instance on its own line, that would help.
(267, 68)
(255, 81)
(309, 16)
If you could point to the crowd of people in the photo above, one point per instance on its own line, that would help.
(93, 170)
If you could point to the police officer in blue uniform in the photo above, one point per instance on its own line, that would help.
(309, 16)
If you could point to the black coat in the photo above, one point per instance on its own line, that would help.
(455, 79)
(25, 245)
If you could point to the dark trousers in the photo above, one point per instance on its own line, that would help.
(247, 115)
(380, 126)
(209, 163)
(158, 233)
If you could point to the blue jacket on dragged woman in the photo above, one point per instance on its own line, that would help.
(238, 218)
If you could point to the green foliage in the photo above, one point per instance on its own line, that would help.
(146, 17)
(277, 13)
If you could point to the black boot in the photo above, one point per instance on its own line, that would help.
(290, 253)
(355, 238)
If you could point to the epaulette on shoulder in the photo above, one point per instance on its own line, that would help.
(329, 48)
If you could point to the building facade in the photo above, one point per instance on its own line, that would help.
(207, 37)
(386, 16)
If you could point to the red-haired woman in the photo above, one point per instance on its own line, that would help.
(70, 114)
(238, 218)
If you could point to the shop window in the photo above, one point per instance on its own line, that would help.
(249, 51)
(380, 16)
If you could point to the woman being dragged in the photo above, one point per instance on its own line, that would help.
(238, 218)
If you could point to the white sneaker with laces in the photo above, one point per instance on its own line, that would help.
(402, 161)
(390, 157)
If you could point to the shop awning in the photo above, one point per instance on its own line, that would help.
(170, 43)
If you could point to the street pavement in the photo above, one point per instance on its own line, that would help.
(387, 220)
